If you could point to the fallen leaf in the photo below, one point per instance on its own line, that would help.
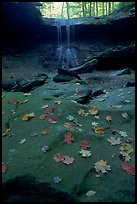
(10, 101)
(45, 148)
(58, 157)
(51, 110)
(57, 179)
(43, 116)
(98, 130)
(94, 123)
(6, 133)
(126, 148)
(90, 193)
(25, 101)
(85, 153)
(102, 166)
(27, 94)
(23, 141)
(102, 99)
(27, 117)
(124, 115)
(129, 169)
(34, 134)
(57, 102)
(118, 106)
(97, 175)
(94, 111)
(108, 118)
(4, 168)
(68, 125)
(84, 144)
(68, 160)
(122, 133)
(81, 112)
(44, 106)
(114, 141)
(52, 120)
(44, 132)
(70, 118)
(97, 117)
(68, 138)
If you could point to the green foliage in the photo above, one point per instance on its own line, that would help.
(79, 9)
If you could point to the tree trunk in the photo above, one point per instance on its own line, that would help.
(113, 6)
(90, 6)
(68, 15)
(50, 9)
(96, 8)
(62, 10)
(109, 7)
(106, 8)
(103, 13)
(83, 7)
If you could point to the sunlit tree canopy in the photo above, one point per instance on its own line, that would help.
(79, 9)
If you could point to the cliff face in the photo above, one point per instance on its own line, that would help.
(22, 21)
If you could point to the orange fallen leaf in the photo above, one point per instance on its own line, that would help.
(98, 129)
(44, 132)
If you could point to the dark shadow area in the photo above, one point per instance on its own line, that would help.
(27, 189)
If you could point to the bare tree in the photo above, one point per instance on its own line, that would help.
(103, 11)
(90, 8)
(62, 9)
(96, 8)
(109, 7)
(68, 15)
(113, 4)
(83, 9)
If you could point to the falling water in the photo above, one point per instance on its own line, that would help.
(66, 55)
(59, 35)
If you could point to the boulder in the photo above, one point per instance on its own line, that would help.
(121, 72)
(68, 72)
(63, 78)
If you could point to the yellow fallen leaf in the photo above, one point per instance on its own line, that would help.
(27, 117)
(93, 111)
(98, 129)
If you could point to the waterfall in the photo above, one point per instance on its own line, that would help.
(59, 35)
(65, 55)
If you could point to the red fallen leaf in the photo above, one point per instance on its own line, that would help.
(4, 168)
(51, 110)
(10, 101)
(68, 125)
(128, 168)
(59, 157)
(43, 116)
(84, 144)
(52, 120)
(114, 106)
(81, 112)
(68, 138)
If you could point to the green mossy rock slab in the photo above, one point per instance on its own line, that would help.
(28, 159)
